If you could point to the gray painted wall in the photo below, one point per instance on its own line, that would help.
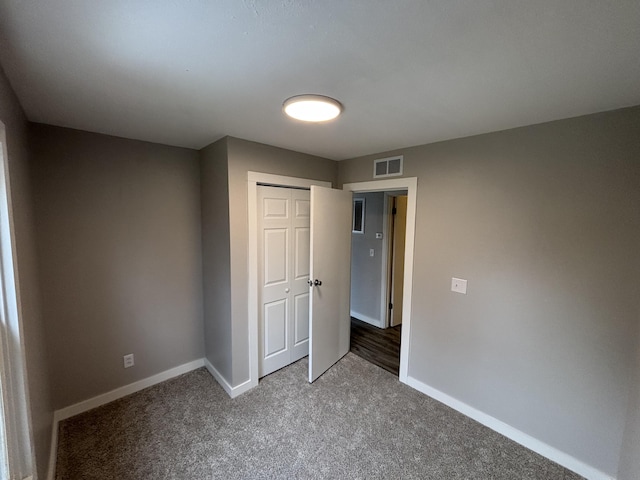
(366, 271)
(630, 455)
(41, 407)
(543, 222)
(245, 156)
(215, 256)
(119, 244)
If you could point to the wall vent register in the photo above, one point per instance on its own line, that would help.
(388, 167)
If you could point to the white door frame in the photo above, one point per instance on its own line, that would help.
(253, 179)
(385, 288)
(386, 252)
(411, 185)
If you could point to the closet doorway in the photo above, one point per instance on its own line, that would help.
(297, 237)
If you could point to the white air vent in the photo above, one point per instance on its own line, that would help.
(387, 167)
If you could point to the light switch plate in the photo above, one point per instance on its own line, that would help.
(459, 285)
(372, 252)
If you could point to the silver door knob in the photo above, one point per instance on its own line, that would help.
(317, 282)
(286, 290)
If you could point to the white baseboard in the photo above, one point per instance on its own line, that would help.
(108, 397)
(514, 434)
(370, 320)
(233, 392)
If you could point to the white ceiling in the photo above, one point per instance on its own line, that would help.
(186, 73)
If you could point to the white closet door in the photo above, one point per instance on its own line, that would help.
(300, 273)
(283, 216)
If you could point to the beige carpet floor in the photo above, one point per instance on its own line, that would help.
(355, 422)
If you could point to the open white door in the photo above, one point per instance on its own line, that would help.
(329, 314)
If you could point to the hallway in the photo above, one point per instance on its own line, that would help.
(378, 346)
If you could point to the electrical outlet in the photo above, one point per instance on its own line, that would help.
(128, 360)
(459, 285)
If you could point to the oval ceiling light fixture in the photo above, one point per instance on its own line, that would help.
(312, 108)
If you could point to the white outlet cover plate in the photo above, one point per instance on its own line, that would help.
(459, 285)
(128, 361)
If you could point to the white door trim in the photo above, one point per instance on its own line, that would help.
(386, 262)
(411, 185)
(253, 179)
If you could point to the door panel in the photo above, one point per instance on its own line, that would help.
(329, 316)
(275, 256)
(275, 321)
(303, 207)
(300, 274)
(302, 238)
(301, 314)
(276, 208)
(283, 225)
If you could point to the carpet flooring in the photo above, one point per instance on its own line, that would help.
(355, 422)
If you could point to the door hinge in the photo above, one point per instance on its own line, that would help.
(394, 210)
(390, 306)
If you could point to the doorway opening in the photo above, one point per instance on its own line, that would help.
(410, 186)
(377, 276)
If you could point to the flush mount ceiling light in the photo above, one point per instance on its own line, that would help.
(312, 108)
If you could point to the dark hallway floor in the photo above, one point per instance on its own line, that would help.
(378, 346)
